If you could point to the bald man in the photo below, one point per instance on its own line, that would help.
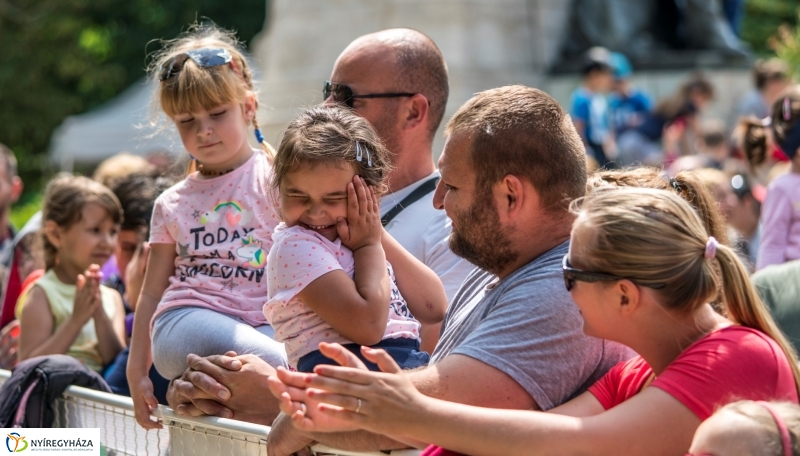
(397, 80)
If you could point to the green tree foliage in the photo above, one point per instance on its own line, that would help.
(64, 57)
(762, 20)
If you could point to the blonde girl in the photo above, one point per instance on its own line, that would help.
(67, 311)
(205, 281)
(755, 428)
(642, 270)
(329, 280)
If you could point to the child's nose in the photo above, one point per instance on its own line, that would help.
(315, 211)
(109, 239)
(204, 128)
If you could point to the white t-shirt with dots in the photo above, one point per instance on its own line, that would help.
(297, 258)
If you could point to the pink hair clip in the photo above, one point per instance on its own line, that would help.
(711, 248)
(787, 109)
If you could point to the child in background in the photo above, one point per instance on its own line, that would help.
(780, 213)
(328, 276)
(751, 428)
(67, 311)
(628, 104)
(664, 133)
(712, 145)
(770, 78)
(589, 109)
(205, 282)
(137, 194)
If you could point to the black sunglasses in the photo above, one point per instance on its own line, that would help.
(206, 57)
(344, 94)
(571, 275)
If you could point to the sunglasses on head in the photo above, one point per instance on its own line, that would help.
(342, 93)
(206, 58)
(571, 275)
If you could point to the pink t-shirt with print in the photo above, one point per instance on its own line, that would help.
(297, 258)
(222, 231)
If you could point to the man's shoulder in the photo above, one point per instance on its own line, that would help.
(545, 267)
(538, 283)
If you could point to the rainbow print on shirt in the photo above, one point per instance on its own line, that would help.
(235, 214)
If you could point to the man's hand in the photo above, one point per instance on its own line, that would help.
(227, 386)
(285, 440)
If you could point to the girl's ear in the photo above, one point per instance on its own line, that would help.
(53, 233)
(250, 106)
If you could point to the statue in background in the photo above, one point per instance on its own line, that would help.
(653, 32)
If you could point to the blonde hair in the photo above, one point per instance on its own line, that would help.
(64, 200)
(121, 165)
(686, 184)
(202, 88)
(656, 237)
(787, 411)
(328, 135)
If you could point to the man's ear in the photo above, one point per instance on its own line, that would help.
(16, 188)
(509, 196)
(628, 296)
(417, 112)
(53, 233)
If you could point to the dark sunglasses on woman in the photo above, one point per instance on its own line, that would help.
(344, 94)
(571, 275)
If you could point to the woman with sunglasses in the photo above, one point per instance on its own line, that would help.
(642, 270)
(205, 282)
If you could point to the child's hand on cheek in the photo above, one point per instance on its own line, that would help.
(363, 225)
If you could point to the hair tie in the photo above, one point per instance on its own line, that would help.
(711, 248)
(674, 183)
(787, 109)
(786, 439)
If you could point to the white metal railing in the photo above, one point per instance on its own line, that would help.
(120, 435)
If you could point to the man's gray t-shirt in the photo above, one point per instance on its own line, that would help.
(528, 327)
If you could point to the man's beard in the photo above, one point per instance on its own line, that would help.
(480, 239)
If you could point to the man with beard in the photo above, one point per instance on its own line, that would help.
(512, 337)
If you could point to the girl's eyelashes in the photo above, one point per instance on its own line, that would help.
(220, 113)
